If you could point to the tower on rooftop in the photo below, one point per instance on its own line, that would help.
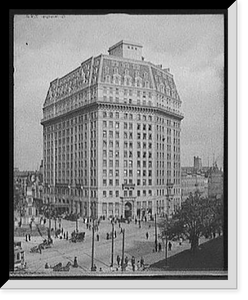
(126, 49)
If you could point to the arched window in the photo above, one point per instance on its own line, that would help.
(107, 78)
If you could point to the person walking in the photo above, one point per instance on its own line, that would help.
(147, 235)
(133, 262)
(169, 246)
(75, 263)
(118, 260)
(142, 262)
(159, 247)
(126, 260)
(97, 237)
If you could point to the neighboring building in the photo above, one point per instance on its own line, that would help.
(208, 181)
(194, 182)
(111, 137)
(215, 183)
(30, 186)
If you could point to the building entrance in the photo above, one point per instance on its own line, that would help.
(128, 210)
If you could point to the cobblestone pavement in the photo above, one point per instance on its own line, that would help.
(64, 251)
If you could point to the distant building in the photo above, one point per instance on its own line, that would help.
(197, 163)
(30, 186)
(193, 182)
(215, 183)
(208, 181)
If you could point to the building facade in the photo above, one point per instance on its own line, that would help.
(194, 182)
(215, 182)
(111, 137)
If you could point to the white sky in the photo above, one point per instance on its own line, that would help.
(192, 46)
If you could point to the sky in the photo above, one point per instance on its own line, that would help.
(192, 46)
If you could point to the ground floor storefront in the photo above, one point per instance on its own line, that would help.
(125, 207)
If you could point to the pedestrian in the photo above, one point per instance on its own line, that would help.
(133, 260)
(159, 247)
(107, 236)
(169, 246)
(147, 235)
(115, 234)
(67, 235)
(142, 262)
(64, 235)
(26, 237)
(126, 260)
(97, 237)
(135, 221)
(118, 260)
(29, 237)
(75, 263)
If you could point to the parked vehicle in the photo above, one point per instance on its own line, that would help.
(77, 237)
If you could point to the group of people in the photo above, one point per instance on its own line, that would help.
(140, 264)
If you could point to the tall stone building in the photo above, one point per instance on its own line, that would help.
(111, 131)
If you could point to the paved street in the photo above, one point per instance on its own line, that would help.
(136, 244)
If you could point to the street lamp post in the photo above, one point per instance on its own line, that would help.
(123, 248)
(49, 216)
(112, 249)
(93, 245)
(166, 241)
(156, 235)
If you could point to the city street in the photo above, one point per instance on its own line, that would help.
(64, 251)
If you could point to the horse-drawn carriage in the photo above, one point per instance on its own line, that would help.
(77, 237)
(44, 245)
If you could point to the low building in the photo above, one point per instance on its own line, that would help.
(30, 188)
(194, 182)
(215, 183)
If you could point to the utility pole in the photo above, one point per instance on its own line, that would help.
(123, 248)
(76, 223)
(166, 240)
(49, 216)
(156, 237)
(112, 249)
(93, 244)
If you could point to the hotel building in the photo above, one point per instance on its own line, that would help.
(111, 137)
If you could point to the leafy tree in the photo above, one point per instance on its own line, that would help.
(197, 217)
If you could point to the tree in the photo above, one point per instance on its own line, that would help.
(197, 217)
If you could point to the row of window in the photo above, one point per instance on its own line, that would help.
(126, 92)
(116, 182)
(126, 173)
(129, 193)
